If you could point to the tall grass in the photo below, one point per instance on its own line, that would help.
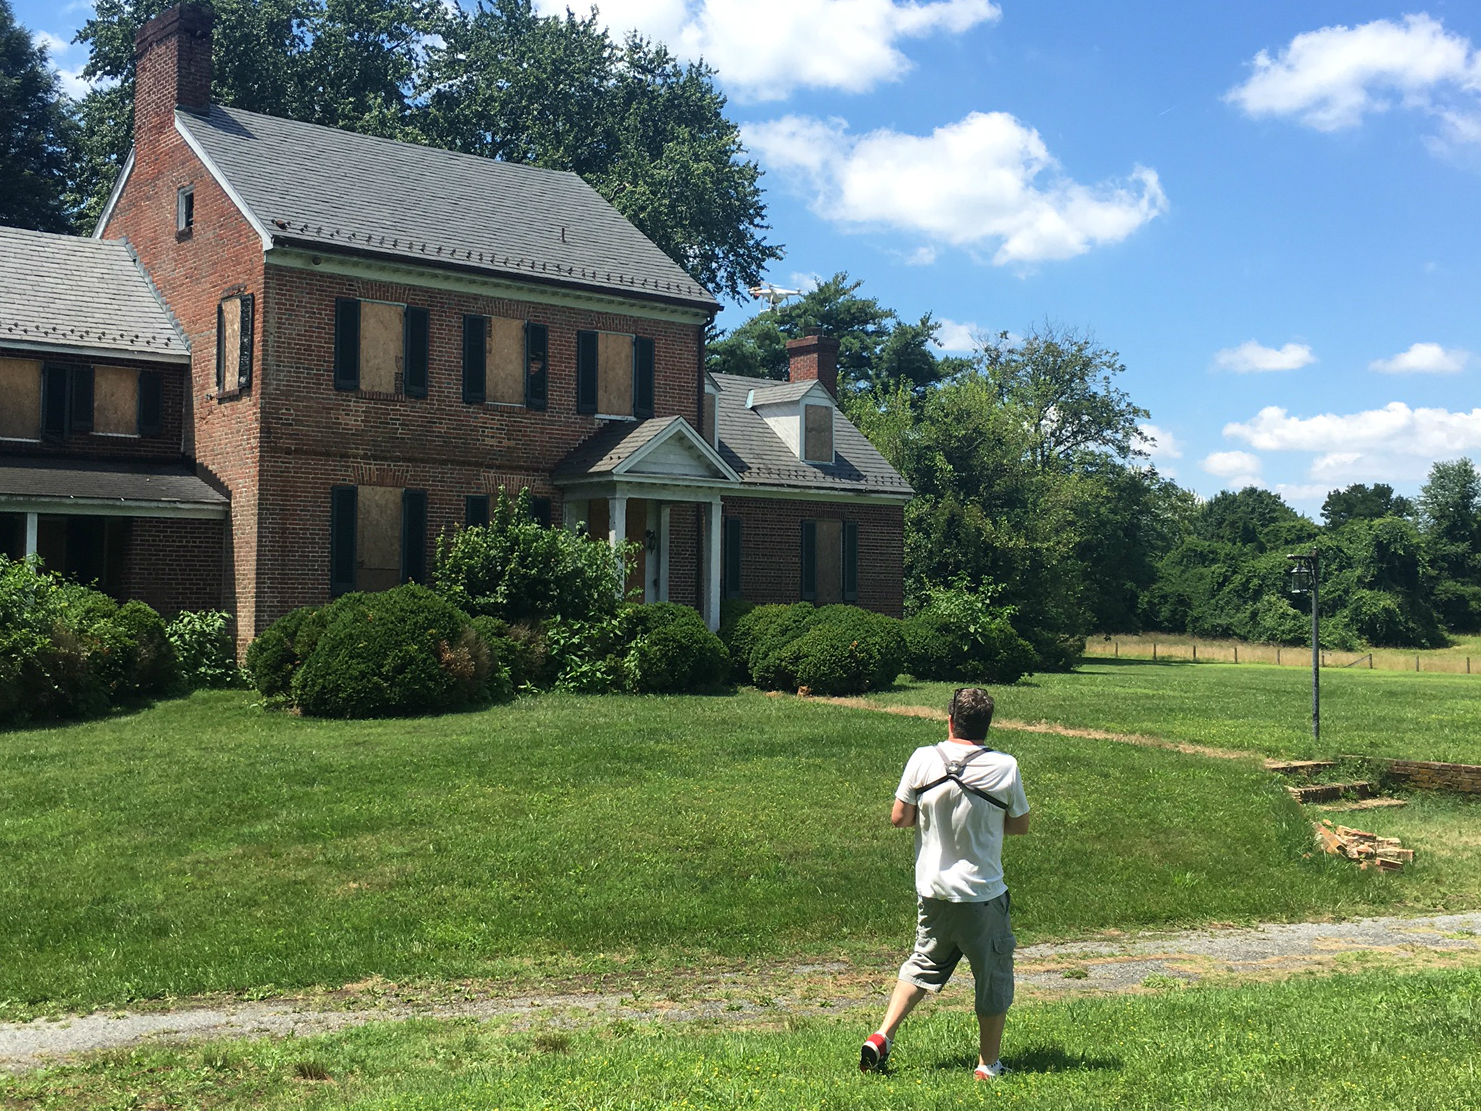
(1462, 657)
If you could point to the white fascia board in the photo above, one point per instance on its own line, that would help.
(111, 507)
(114, 194)
(678, 426)
(220, 179)
(814, 494)
(101, 354)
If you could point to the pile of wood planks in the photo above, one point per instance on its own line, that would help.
(1368, 849)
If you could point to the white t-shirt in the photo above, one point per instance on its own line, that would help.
(959, 837)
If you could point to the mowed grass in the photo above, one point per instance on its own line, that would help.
(209, 845)
(1349, 1042)
(1248, 707)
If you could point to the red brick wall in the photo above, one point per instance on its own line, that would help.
(174, 564)
(771, 549)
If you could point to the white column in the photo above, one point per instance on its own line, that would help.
(572, 513)
(712, 568)
(30, 534)
(616, 535)
(663, 552)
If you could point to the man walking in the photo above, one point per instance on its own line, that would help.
(962, 798)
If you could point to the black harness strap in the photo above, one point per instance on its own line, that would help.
(954, 769)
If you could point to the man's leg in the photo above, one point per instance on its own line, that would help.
(902, 1001)
(990, 1028)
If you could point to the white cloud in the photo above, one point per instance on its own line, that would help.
(764, 49)
(956, 337)
(1331, 78)
(921, 256)
(57, 48)
(1395, 429)
(1423, 358)
(1157, 442)
(1252, 357)
(986, 181)
(1238, 468)
(1315, 492)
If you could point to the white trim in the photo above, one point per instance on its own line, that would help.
(62, 505)
(789, 493)
(676, 426)
(113, 195)
(105, 354)
(714, 530)
(226, 187)
(32, 533)
(507, 288)
(660, 488)
(628, 418)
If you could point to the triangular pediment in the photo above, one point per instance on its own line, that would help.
(676, 452)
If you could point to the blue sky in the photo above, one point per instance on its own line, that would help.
(1269, 209)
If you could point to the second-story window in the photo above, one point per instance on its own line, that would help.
(381, 346)
(614, 374)
(504, 361)
(185, 211)
(234, 343)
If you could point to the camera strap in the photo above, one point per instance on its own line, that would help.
(954, 769)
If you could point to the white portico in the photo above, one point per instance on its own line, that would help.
(627, 483)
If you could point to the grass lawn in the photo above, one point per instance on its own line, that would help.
(1248, 707)
(209, 845)
(1340, 1043)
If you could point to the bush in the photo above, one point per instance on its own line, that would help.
(832, 650)
(765, 631)
(961, 637)
(501, 650)
(204, 648)
(402, 651)
(671, 650)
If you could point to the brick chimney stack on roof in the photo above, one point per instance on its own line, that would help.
(814, 358)
(172, 69)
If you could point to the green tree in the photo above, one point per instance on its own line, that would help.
(1450, 522)
(1366, 503)
(37, 133)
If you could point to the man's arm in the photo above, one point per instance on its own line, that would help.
(902, 815)
(1014, 826)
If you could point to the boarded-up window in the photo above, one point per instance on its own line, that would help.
(614, 374)
(116, 401)
(830, 563)
(234, 343)
(506, 361)
(710, 431)
(382, 334)
(818, 433)
(378, 538)
(20, 399)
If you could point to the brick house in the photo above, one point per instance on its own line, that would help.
(382, 336)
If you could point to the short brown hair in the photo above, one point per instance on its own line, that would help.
(970, 713)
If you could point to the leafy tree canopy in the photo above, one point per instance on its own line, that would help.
(37, 132)
(1359, 502)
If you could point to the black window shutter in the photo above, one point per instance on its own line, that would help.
(343, 501)
(220, 347)
(54, 402)
(475, 360)
(346, 343)
(413, 536)
(586, 372)
(476, 510)
(151, 403)
(809, 561)
(850, 561)
(537, 364)
(244, 359)
(642, 377)
(416, 337)
(540, 511)
(81, 417)
(732, 557)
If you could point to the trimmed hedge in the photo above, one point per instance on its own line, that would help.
(672, 651)
(831, 650)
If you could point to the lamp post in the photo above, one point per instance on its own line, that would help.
(1306, 577)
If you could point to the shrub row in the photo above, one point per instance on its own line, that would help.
(830, 649)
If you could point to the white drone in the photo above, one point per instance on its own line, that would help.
(772, 295)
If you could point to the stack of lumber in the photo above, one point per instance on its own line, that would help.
(1368, 849)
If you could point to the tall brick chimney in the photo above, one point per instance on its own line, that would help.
(814, 358)
(172, 69)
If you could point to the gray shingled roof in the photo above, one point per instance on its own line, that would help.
(91, 481)
(604, 451)
(768, 392)
(749, 445)
(81, 296)
(336, 189)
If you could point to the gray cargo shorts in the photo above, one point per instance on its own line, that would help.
(946, 932)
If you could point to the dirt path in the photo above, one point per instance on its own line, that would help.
(1111, 964)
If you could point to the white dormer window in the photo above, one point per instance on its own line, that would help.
(817, 433)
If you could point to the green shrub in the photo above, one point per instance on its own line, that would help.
(204, 648)
(272, 657)
(961, 637)
(402, 651)
(832, 650)
(765, 631)
(152, 668)
(501, 650)
(586, 656)
(671, 650)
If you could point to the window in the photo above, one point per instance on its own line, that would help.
(730, 558)
(234, 343)
(377, 538)
(504, 361)
(709, 420)
(614, 374)
(20, 386)
(381, 346)
(151, 403)
(817, 433)
(66, 400)
(184, 211)
(830, 562)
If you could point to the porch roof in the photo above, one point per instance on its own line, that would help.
(90, 486)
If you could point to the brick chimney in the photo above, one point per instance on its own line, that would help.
(814, 358)
(172, 69)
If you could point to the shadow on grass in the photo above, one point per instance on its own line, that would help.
(1037, 1058)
